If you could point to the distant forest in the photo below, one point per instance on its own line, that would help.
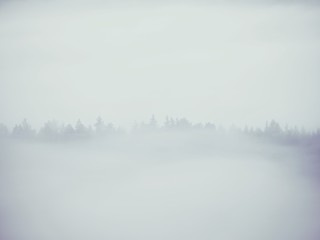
(55, 131)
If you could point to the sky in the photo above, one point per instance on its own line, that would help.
(227, 63)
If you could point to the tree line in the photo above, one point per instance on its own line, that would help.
(53, 130)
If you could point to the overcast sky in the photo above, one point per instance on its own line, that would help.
(223, 63)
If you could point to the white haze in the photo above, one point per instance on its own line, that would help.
(241, 63)
(157, 187)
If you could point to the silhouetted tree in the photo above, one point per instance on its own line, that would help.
(81, 131)
(102, 129)
(273, 129)
(153, 124)
(68, 132)
(169, 123)
(182, 124)
(50, 130)
(23, 130)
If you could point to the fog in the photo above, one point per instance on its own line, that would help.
(220, 64)
(229, 63)
(159, 185)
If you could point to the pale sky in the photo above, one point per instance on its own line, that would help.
(220, 63)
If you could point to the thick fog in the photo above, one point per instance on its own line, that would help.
(178, 181)
(229, 63)
(207, 167)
